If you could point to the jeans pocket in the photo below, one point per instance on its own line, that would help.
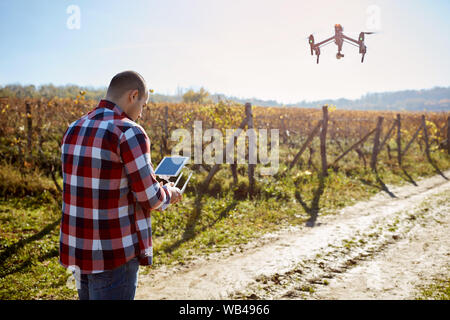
(101, 280)
(133, 264)
(133, 271)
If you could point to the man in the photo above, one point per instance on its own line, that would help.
(109, 190)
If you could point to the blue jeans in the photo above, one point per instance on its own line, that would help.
(116, 284)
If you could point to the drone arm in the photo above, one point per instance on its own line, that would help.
(324, 42)
(350, 39)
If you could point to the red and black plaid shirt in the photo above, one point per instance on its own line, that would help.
(109, 190)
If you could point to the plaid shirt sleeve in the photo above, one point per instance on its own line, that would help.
(135, 155)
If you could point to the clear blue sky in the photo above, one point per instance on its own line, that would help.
(246, 48)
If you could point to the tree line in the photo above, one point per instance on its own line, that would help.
(435, 99)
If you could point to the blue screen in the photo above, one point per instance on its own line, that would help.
(169, 166)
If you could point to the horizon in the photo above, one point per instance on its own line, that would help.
(183, 90)
(263, 53)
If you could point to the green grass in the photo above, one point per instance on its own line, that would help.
(223, 217)
(29, 269)
(22, 183)
(438, 290)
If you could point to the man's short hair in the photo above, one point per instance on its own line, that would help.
(124, 81)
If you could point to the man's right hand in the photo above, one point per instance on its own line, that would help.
(176, 192)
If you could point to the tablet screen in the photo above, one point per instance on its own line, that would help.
(170, 166)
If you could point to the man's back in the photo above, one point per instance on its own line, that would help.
(109, 190)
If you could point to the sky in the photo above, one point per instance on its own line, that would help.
(243, 48)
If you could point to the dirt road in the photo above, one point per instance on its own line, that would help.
(383, 248)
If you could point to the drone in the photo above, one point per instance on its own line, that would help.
(339, 38)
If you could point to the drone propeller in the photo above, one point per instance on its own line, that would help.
(349, 32)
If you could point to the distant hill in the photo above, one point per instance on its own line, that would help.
(435, 99)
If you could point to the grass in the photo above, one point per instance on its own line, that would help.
(22, 183)
(29, 235)
(438, 290)
(223, 217)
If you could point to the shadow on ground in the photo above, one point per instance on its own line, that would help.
(380, 185)
(12, 250)
(313, 209)
(190, 232)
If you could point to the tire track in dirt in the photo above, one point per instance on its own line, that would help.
(385, 262)
(396, 273)
(293, 263)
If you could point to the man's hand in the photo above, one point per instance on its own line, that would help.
(176, 192)
(176, 195)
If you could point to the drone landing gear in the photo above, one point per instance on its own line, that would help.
(362, 50)
(317, 50)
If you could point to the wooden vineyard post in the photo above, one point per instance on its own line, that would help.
(283, 129)
(448, 135)
(251, 148)
(425, 137)
(376, 144)
(166, 129)
(399, 141)
(323, 136)
(29, 129)
(39, 129)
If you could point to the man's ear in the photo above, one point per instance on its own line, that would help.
(134, 95)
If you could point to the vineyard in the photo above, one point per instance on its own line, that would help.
(328, 158)
(31, 131)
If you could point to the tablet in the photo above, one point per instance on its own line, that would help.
(170, 166)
